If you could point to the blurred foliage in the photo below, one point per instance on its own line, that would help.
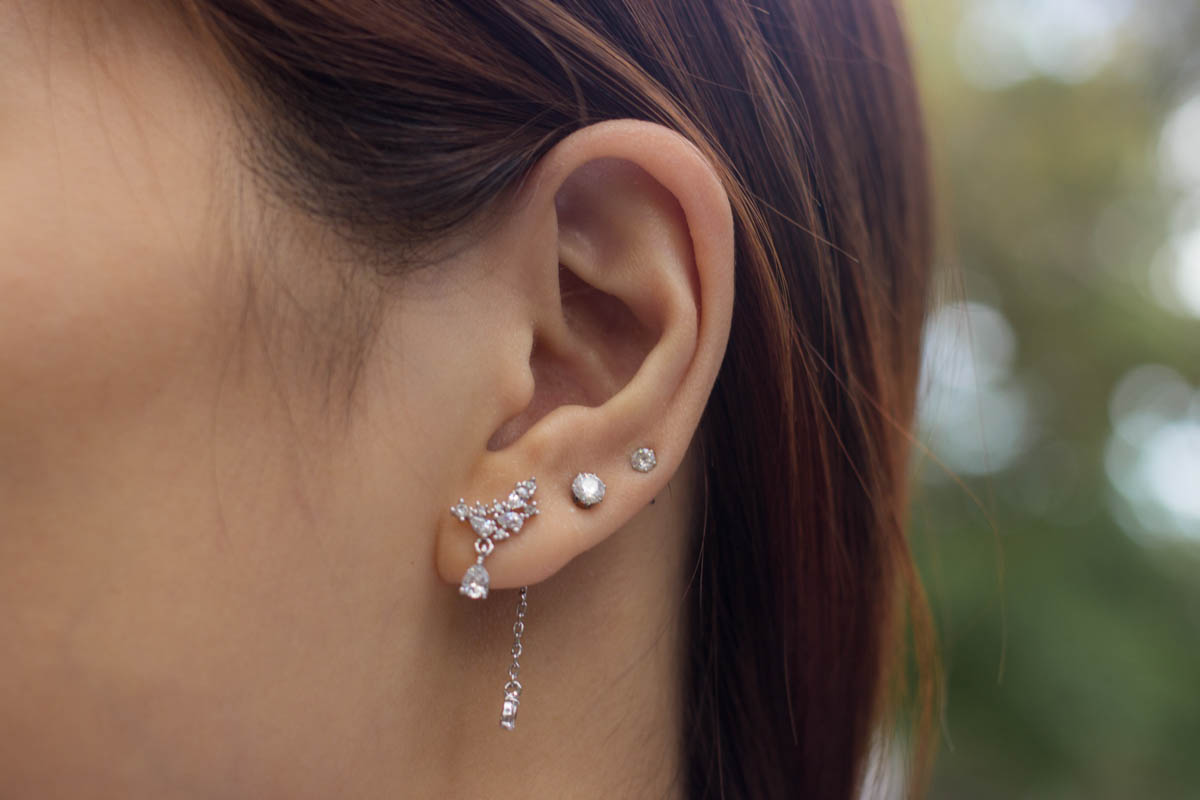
(1071, 645)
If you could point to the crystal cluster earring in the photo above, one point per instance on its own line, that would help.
(493, 523)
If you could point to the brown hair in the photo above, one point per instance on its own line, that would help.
(400, 122)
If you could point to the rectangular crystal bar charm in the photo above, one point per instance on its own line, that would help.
(508, 714)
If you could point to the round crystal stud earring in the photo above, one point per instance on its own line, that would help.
(643, 459)
(588, 489)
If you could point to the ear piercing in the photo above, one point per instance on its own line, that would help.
(499, 520)
(588, 489)
(493, 523)
(643, 459)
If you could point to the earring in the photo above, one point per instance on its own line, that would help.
(588, 489)
(493, 523)
(643, 459)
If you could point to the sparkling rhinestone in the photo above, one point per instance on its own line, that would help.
(525, 489)
(483, 526)
(643, 459)
(460, 510)
(475, 582)
(515, 501)
(508, 713)
(588, 489)
(511, 520)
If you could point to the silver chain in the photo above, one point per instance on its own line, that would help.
(512, 689)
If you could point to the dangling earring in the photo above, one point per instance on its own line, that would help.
(495, 523)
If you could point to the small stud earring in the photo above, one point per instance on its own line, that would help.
(643, 459)
(588, 489)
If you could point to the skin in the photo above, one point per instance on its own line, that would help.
(222, 574)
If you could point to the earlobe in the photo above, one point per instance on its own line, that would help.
(621, 247)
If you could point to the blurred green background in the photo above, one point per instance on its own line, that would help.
(1056, 519)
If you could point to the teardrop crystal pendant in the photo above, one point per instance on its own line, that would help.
(475, 582)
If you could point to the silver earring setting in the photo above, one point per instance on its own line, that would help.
(493, 523)
(587, 489)
(643, 459)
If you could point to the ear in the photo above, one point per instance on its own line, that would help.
(616, 262)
